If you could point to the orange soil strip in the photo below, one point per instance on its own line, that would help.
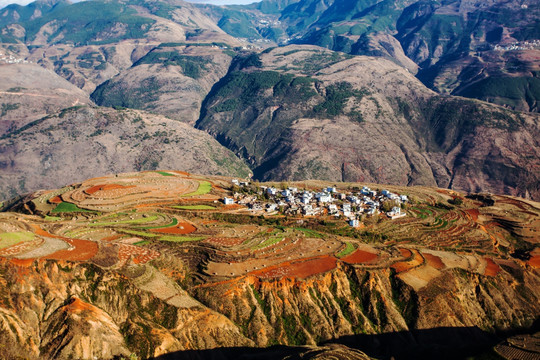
(434, 261)
(359, 257)
(78, 306)
(84, 249)
(534, 261)
(181, 228)
(22, 262)
(492, 269)
(225, 241)
(112, 237)
(474, 213)
(106, 187)
(405, 253)
(55, 200)
(300, 270)
(402, 266)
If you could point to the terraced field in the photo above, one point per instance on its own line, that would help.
(137, 218)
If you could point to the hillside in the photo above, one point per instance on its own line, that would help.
(485, 50)
(296, 112)
(152, 264)
(84, 141)
(29, 92)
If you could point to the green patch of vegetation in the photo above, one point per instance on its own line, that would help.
(194, 207)
(137, 233)
(11, 238)
(65, 207)
(141, 243)
(16, 89)
(505, 90)
(181, 239)
(172, 223)
(192, 66)
(164, 173)
(8, 107)
(141, 220)
(268, 242)
(52, 218)
(91, 23)
(349, 248)
(204, 188)
(336, 98)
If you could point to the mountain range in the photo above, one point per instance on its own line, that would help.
(272, 82)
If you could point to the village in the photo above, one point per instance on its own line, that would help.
(352, 206)
(10, 59)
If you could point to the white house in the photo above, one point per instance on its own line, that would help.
(354, 223)
(331, 189)
(271, 191)
(228, 201)
(235, 182)
(395, 213)
(324, 197)
(404, 198)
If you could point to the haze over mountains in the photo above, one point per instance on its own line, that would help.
(293, 112)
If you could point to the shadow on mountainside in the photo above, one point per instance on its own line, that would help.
(438, 343)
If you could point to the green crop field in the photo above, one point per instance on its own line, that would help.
(172, 223)
(12, 238)
(138, 233)
(204, 188)
(142, 220)
(349, 248)
(68, 207)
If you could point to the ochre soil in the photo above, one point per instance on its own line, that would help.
(359, 257)
(181, 228)
(301, 269)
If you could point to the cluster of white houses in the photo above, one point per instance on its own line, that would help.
(10, 59)
(328, 201)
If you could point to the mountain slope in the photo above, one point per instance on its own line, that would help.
(29, 92)
(84, 141)
(300, 114)
(457, 45)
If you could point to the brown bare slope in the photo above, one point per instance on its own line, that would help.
(170, 80)
(306, 112)
(29, 92)
(81, 142)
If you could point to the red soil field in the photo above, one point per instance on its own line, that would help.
(225, 241)
(534, 261)
(359, 257)
(405, 253)
(434, 261)
(22, 262)
(55, 200)
(181, 228)
(112, 237)
(492, 269)
(300, 270)
(84, 249)
(474, 213)
(106, 187)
